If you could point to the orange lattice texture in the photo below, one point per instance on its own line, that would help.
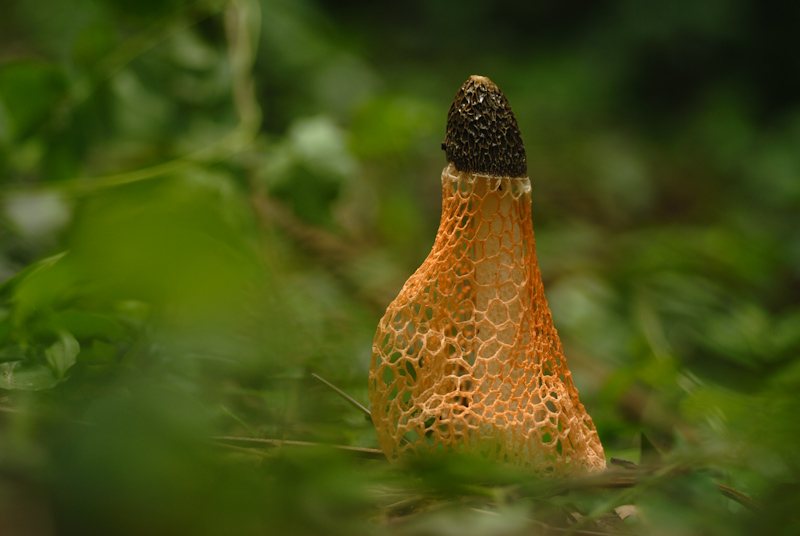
(466, 358)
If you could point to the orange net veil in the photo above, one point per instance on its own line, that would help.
(466, 358)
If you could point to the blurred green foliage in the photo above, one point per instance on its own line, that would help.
(202, 202)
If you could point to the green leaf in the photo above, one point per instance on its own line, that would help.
(5, 324)
(87, 324)
(62, 355)
(38, 288)
(12, 352)
(30, 90)
(26, 376)
(10, 285)
(99, 353)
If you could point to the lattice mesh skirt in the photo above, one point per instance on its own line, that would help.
(466, 358)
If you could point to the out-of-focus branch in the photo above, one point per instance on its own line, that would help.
(242, 34)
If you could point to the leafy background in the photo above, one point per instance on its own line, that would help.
(204, 202)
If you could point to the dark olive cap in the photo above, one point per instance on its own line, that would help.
(482, 133)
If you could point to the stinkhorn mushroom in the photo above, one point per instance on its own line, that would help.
(466, 358)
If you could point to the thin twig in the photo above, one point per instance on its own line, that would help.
(572, 531)
(373, 454)
(239, 420)
(739, 497)
(615, 481)
(727, 491)
(625, 464)
(243, 450)
(344, 395)
(350, 399)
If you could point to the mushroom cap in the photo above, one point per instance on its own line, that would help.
(482, 133)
